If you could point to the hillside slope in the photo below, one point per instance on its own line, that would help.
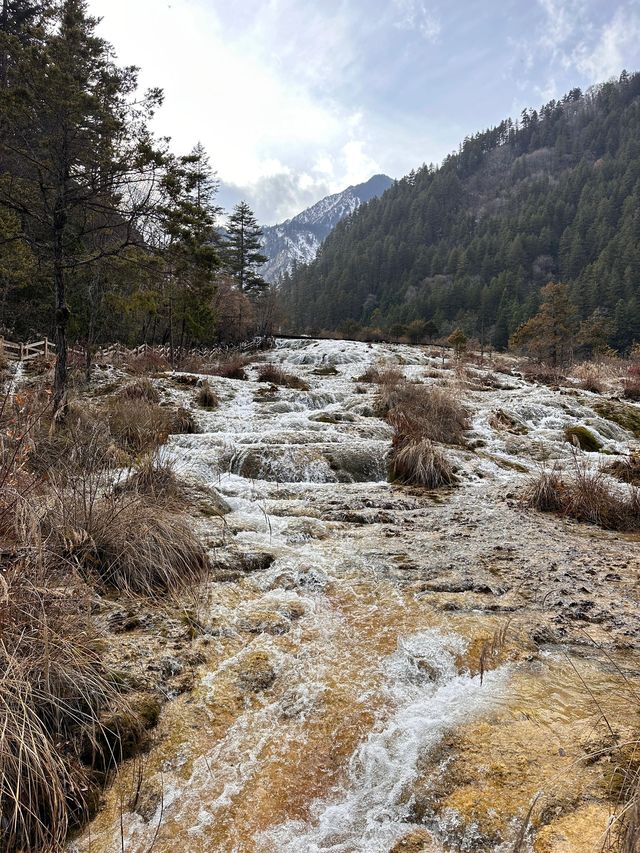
(554, 196)
(297, 240)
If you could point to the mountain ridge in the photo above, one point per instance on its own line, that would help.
(297, 240)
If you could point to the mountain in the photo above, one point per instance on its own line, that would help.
(553, 196)
(297, 240)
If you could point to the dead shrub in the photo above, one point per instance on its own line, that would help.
(137, 425)
(231, 367)
(419, 463)
(141, 389)
(185, 379)
(631, 389)
(207, 397)
(149, 361)
(277, 376)
(424, 412)
(587, 496)
(381, 376)
(542, 373)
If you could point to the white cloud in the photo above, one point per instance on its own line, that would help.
(615, 48)
(416, 15)
(256, 109)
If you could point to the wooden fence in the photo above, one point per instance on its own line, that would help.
(27, 351)
(45, 348)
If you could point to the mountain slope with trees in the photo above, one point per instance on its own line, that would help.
(470, 244)
(298, 239)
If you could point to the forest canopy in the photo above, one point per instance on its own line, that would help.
(471, 243)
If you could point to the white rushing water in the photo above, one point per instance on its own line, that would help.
(427, 697)
(366, 678)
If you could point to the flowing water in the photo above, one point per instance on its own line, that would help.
(406, 670)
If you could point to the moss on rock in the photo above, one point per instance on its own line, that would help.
(583, 438)
(623, 414)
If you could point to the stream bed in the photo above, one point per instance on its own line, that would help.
(392, 669)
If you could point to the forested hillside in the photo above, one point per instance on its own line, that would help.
(554, 196)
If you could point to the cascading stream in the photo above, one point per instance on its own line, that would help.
(335, 673)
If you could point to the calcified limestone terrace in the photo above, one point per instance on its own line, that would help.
(399, 670)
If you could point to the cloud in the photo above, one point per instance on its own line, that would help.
(417, 16)
(257, 110)
(615, 48)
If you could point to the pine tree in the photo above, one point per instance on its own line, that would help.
(550, 335)
(190, 251)
(242, 251)
(85, 165)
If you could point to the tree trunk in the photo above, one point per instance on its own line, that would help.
(62, 311)
(4, 59)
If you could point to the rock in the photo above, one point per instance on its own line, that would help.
(148, 800)
(256, 671)
(256, 562)
(264, 622)
(416, 841)
(211, 502)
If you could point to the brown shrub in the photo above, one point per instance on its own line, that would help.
(542, 373)
(141, 389)
(381, 376)
(424, 412)
(419, 463)
(147, 362)
(277, 376)
(586, 496)
(207, 397)
(631, 388)
(231, 367)
(138, 425)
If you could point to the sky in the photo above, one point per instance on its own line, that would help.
(296, 99)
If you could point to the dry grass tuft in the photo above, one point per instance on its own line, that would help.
(184, 423)
(424, 412)
(231, 367)
(153, 478)
(587, 496)
(419, 463)
(141, 389)
(52, 687)
(277, 376)
(207, 397)
(381, 376)
(626, 469)
(137, 425)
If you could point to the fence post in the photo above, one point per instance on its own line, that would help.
(21, 351)
(46, 347)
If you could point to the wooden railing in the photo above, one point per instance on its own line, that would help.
(46, 348)
(27, 351)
